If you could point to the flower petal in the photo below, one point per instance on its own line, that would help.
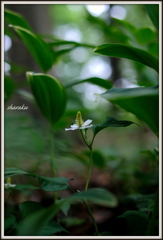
(72, 128)
(87, 122)
(83, 127)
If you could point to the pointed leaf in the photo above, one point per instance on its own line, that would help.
(50, 95)
(95, 80)
(132, 53)
(141, 101)
(16, 19)
(9, 172)
(53, 184)
(153, 12)
(39, 49)
(110, 122)
(28, 207)
(52, 228)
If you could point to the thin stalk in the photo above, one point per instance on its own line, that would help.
(92, 217)
(90, 213)
(52, 154)
(90, 170)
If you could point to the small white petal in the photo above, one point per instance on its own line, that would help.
(74, 125)
(72, 128)
(83, 127)
(87, 122)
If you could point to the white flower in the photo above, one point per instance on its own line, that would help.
(8, 184)
(80, 124)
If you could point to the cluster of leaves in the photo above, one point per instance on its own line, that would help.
(51, 98)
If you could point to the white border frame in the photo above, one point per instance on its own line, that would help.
(160, 118)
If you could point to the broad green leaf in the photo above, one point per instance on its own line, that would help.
(141, 101)
(34, 223)
(110, 122)
(132, 53)
(50, 95)
(145, 35)
(39, 49)
(26, 208)
(9, 221)
(16, 19)
(153, 12)
(137, 222)
(9, 172)
(53, 184)
(9, 87)
(94, 80)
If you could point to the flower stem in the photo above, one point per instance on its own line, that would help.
(92, 217)
(90, 170)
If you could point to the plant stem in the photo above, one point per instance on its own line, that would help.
(52, 153)
(92, 217)
(90, 213)
(90, 170)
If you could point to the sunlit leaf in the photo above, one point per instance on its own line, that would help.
(94, 80)
(110, 122)
(39, 49)
(132, 53)
(53, 184)
(153, 12)
(145, 35)
(141, 101)
(50, 95)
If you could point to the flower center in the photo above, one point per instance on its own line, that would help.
(79, 121)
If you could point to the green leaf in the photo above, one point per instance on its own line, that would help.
(50, 95)
(34, 223)
(9, 172)
(96, 195)
(39, 49)
(22, 187)
(9, 221)
(9, 87)
(94, 80)
(132, 53)
(26, 208)
(52, 228)
(16, 19)
(137, 222)
(110, 122)
(53, 184)
(153, 12)
(141, 101)
(145, 35)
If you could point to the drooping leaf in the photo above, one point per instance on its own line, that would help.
(53, 184)
(153, 12)
(110, 122)
(141, 101)
(39, 49)
(17, 19)
(94, 80)
(9, 172)
(9, 87)
(50, 95)
(132, 53)
(34, 223)
(137, 222)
